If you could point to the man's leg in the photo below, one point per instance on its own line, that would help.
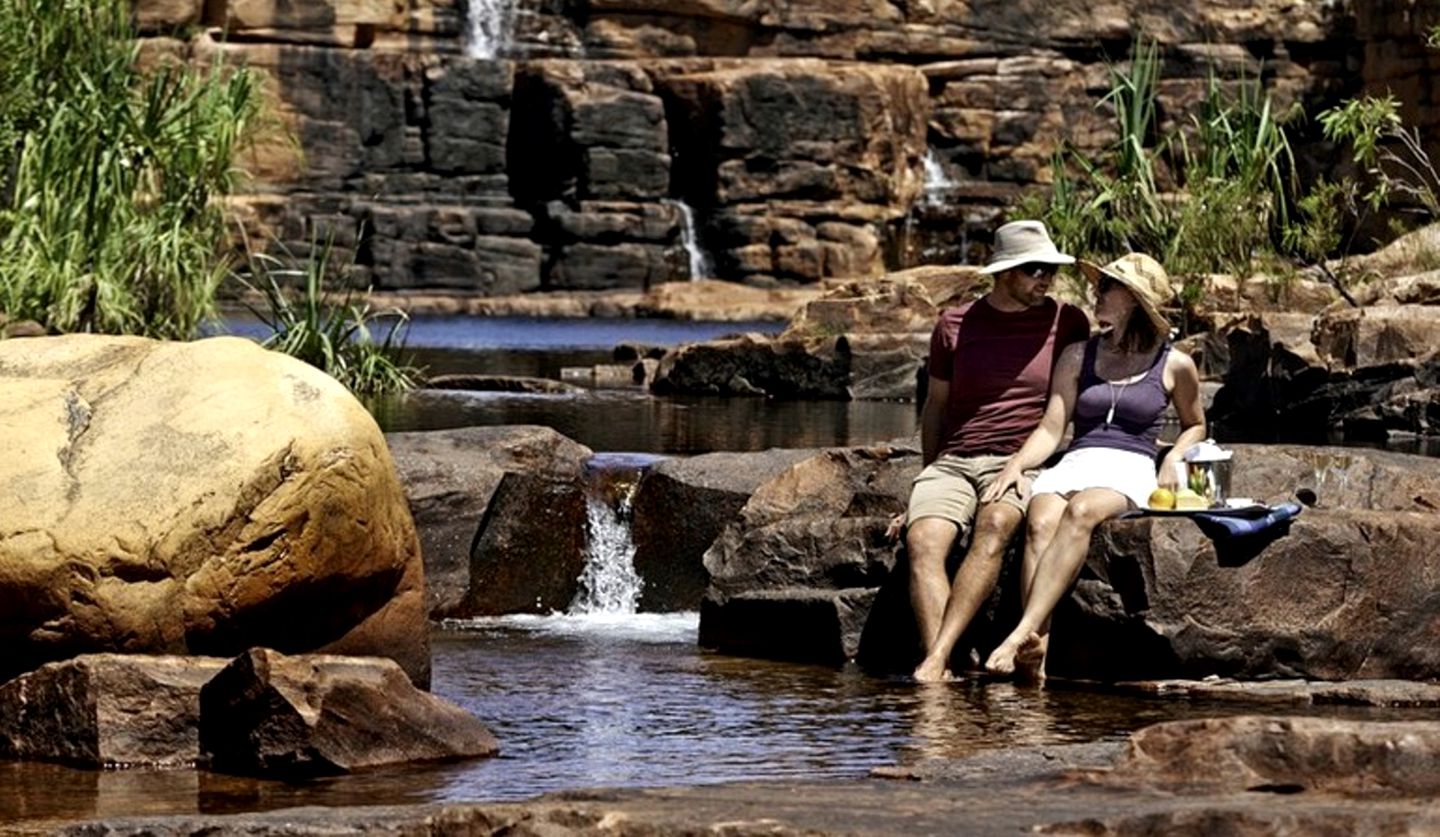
(995, 525)
(928, 541)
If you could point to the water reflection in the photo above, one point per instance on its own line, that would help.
(616, 701)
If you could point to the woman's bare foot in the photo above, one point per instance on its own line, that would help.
(932, 670)
(1002, 659)
(1030, 659)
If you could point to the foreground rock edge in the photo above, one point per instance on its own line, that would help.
(1064, 789)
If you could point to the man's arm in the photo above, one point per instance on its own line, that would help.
(932, 419)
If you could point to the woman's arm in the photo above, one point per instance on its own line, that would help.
(1046, 436)
(1185, 395)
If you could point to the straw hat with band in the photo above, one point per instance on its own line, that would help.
(1023, 242)
(1144, 278)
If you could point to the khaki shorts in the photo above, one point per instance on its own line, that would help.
(950, 488)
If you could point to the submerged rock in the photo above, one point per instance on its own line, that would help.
(311, 715)
(107, 710)
(196, 498)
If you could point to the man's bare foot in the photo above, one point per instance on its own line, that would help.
(1030, 659)
(932, 671)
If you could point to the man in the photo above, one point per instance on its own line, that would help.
(989, 370)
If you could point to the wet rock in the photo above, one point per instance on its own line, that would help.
(270, 510)
(1325, 755)
(682, 504)
(1387, 693)
(1339, 595)
(500, 383)
(451, 478)
(313, 715)
(529, 550)
(861, 366)
(806, 554)
(107, 710)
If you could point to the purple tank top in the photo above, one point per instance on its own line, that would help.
(1138, 407)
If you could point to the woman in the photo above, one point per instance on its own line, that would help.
(1115, 387)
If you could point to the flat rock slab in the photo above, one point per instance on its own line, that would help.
(307, 715)
(1385, 693)
(107, 710)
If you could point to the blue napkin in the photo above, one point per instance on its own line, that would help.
(1224, 527)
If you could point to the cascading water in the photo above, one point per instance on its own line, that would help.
(937, 183)
(609, 583)
(491, 25)
(700, 267)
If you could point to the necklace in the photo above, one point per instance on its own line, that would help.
(1115, 394)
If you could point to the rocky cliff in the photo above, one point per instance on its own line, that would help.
(503, 146)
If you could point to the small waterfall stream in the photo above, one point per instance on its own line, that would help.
(491, 28)
(609, 583)
(700, 266)
(937, 183)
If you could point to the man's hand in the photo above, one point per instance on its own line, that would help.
(1008, 476)
(897, 525)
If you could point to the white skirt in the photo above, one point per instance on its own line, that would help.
(1127, 472)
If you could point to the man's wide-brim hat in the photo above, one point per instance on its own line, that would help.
(1023, 242)
(1144, 278)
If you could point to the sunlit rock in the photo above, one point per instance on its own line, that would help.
(196, 498)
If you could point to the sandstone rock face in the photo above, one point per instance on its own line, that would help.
(794, 574)
(1372, 372)
(311, 715)
(107, 710)
(529, 550)
(680, 508)
(450, 480)
(196, 498)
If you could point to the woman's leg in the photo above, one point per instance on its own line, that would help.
(1056, 570)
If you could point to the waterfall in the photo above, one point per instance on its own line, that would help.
(492, 23)
(937, 183)
(609, 583)
(700, 267)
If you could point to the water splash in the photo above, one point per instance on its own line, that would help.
(609, 583)
(491, 28)
(937, 183)
(700, 267)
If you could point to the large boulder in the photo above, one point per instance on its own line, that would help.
(196, 498)
(793, 575)
(107, 710)
(681, 506)
(530, 547)
(450, 478)
(320, 714)
(1342, 594)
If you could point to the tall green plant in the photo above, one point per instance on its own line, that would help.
(109, 221)
(335, 336)
(1210, 196)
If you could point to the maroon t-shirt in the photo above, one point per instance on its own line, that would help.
(998, 364)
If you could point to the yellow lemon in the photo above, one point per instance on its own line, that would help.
(1162, 498)
(1189, 500)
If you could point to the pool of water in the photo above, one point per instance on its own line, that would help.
(629, 701)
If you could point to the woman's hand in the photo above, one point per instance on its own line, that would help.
(1167, 477)
(1008, 476)
(896, 526)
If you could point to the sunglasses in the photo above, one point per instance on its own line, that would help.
(1036, 270)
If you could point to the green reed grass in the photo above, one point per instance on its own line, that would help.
(335, 334)
(109, 176)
